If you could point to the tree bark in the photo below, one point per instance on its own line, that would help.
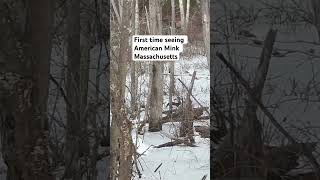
(206, 27)
(73, 87)
(171, 65)
(121, 149)
(182, 16)
(187, 14)
(41, 43)
(134, 76)
(86, 43)
(156, 91)
(24, 86)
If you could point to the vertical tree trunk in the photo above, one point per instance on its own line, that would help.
(134, 77)
(206, 27)
(84, 79)
(149, 65)
(24, 86)
(93, 172)
(73, 91)
(103, 7)
(121, 149)
(171, 65)
(182, 15)
(159, 16)
(31, 132)
(85, 46)
(187, 14)
(156, 95)
(133, 89)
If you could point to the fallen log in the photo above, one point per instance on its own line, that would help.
(176, 142)
(172, 143)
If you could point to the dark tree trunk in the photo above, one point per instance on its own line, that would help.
(24, 88)
(73, 91)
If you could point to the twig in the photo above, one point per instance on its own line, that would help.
(204, 177)
(158, 167)
(61, 89)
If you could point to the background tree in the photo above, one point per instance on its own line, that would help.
(156, 86)
(171, 66)
(73, 91)
(134, 65)
(205, 7)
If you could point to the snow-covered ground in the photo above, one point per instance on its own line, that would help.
(177, 162)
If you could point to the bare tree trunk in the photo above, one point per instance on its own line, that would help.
(156, 96)
(73, 91)
(206, 27)
(24, 86)
(86, 42)
(159, 16)
(134, 77)
(121, 149)
(33, 135)
(9, 65)
(187, 14)
(133, 89)
(105, 43)
(171, 65)
(84, 79)
(182, 15)
(147, 105)
(136, 18)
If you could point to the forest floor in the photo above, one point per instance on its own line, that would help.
(180, 161)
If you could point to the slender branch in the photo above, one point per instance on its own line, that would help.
(61, 89)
